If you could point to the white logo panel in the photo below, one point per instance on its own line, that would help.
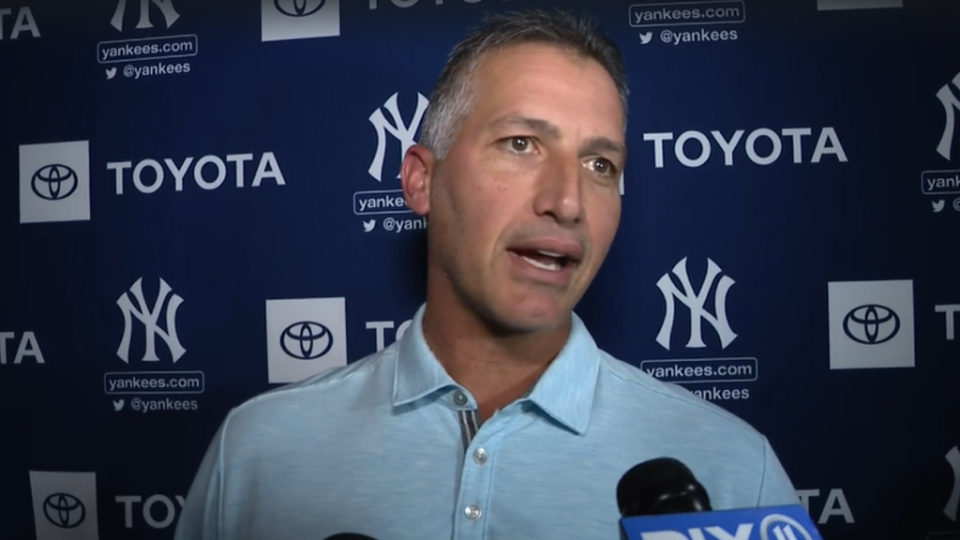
(299, 19)
(55, 182)
(64, 505)
(305, 337)
(871, 324)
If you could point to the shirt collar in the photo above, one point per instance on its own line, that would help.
(418, 372)
(564, 392)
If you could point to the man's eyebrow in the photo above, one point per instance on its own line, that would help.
(603, 143)
(535, 124)
(543, 126)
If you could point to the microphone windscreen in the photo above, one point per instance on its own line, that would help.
(660, 486)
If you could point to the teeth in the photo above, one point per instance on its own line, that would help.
(552, 266)
(550, 253)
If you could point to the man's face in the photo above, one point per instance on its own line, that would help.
(525, 205)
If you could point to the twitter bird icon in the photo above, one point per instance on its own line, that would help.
(938, 205)
(369, 225)
(646, 37)
(118, 405)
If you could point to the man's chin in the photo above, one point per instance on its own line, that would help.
(526, 319)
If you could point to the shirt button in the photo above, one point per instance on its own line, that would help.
(472, 512)
(459, 398)
(480, 456)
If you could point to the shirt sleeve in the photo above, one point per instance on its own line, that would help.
(775, 488)
(200, 518)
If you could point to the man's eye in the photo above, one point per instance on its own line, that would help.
(602, 166)
(520, 144)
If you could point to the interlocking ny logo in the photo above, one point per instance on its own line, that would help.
(953, 503)
(695, 301)
(402, 132)
(170, 14)
(950, 103)
(149, 320)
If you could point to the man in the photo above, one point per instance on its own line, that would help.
(495, 416)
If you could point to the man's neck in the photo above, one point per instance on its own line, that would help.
(497, 369)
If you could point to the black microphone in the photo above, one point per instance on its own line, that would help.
(664, 485)
(349, 536)
(660, 486)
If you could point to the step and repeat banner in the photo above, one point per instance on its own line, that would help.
(199, 201)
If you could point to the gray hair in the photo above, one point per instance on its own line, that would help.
(453, 94)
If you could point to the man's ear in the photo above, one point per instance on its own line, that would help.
(416, 174)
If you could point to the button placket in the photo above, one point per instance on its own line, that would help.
(475, 489)
(476, 475)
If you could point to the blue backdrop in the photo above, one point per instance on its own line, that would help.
(198, 204)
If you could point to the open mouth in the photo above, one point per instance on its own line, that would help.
(545, 260)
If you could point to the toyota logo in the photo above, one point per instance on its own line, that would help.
(299, 8)
(306, 340)
(871, 324)
(64, 510)
(54, 182)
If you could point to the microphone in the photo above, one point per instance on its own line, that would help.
(660, 486)
(660, 499)
(349, 536)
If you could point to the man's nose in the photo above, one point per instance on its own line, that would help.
(560, 191)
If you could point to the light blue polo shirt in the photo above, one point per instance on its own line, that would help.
(386, 447)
